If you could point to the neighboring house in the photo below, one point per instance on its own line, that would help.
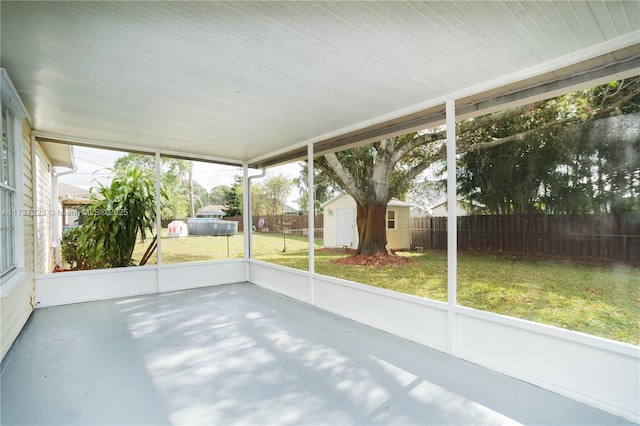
(442, 208)
(341, 230)
(72, 201)
(419, 211)
(211, 211)
(290, 211)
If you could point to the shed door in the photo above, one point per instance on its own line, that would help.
(345, 224)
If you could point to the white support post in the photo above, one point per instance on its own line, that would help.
(452, 245)
(246, 218)
(158, 222)
(312, 222)
(36, 206)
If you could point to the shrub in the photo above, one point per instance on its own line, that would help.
(125, 208)
(69, 248)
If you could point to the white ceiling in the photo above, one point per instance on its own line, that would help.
(243, 80)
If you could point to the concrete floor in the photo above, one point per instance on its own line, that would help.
(239, 354)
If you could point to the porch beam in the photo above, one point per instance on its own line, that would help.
(135, 149)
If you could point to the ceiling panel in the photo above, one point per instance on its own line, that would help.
(242, 80)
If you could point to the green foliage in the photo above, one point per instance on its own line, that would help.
(174, 178)
(579, 155)
(200, 196)
(69, 248)
(119, 213)
(270, 196)
(267, 198)
(217, 194)
(506, 179)
(142, 161)
(385, 169)
(324, 188)
(233, 198)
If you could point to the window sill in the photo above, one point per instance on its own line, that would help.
(12, 281)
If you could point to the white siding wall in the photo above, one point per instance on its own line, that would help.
(330, 229)
(43, 201)
(16, 306)
(400, 238)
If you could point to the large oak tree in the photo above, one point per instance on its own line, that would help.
(375, 173)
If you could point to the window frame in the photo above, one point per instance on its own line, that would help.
(12, 278)
(392, 220)
(8, 192)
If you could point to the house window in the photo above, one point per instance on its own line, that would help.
(7, 195)
(391, 219)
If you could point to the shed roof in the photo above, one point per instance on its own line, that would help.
(256, 81)
(394, 202)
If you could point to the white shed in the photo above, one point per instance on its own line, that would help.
(341, 229)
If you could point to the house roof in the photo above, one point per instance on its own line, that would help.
(288, 209)
(67, 191)
(211, 210)
(394, 202)
(445, 201)
(417, 208)
(256, 82)
(334, 198)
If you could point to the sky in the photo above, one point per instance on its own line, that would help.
(93, 163)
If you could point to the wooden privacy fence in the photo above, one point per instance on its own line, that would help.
(605, 237)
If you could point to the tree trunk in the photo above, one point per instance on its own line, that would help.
(372, 228)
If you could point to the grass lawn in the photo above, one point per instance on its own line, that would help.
(596, 299)
(201, 248)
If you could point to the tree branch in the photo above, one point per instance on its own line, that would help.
(419, 140)
(606, 95)
(410, 176)
(519, 137)
(344, 177)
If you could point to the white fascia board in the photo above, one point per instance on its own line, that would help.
(95, 143)
(11, 98)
